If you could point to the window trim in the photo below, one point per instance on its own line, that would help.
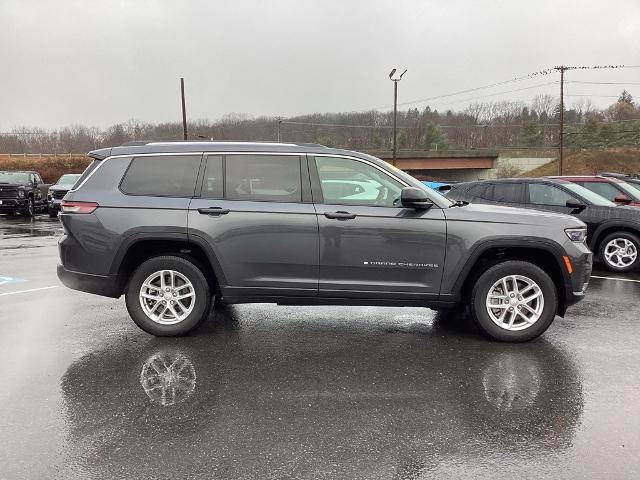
(316, 187)
(133, 157)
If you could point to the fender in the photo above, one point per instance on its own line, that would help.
(160, 236)
(509, 242)
(618, 223)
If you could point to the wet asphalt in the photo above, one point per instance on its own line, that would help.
(262, 391)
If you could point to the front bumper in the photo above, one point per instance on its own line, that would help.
(577, 281)
(105, 285)
(54, 204)
(10, 204)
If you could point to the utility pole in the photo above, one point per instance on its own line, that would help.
(184, 111)
(395, 113)
(562, 68)
(279, 124)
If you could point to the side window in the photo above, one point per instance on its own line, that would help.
(87, 171)
(350, 182)
(166, 175)
(507, 192)
(482, 190)
(273, 178)
(604, 189)
(543, 194)
(212, 183)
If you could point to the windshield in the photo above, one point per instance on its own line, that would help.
(630, 190)
(14, 177)
(68, 179)
(588, 195)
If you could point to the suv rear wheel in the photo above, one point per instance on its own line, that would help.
(168, 296)
(514, 301)
(620, 251)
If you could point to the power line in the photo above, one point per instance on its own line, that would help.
(604, 83)
(495, 94)
(469, 90)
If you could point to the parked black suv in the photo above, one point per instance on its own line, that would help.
(175, 226)
(58, 190)
(22, 193)
(613, 231)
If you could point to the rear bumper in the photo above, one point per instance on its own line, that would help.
(105, 285)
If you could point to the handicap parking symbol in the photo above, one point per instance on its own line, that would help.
(4, 280)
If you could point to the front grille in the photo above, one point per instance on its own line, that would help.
(59, 194)
(8, 192)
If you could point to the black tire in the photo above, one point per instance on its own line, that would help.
(191, 272)
(30, 209)
(623, 236)
(486, 281)
(53, 213)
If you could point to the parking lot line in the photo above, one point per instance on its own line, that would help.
(617, 278)
(29, 290)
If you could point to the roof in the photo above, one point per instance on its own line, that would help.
(587, 178)
(516, 180)
(140, 148)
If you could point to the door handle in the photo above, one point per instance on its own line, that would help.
(340, 215)
(213, 211)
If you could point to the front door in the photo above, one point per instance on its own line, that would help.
(371, 247)
(256, 219)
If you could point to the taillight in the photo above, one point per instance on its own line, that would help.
(78, 207)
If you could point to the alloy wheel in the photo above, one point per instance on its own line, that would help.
(515, 302)
(167, 297)
(620, 253)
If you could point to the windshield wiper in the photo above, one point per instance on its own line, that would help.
(459, 203)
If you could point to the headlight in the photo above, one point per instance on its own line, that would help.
(20, 193)
(577, 235)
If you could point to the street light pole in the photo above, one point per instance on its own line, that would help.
(395, 112)
(184, 111)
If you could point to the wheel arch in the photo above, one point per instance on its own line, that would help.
(609, 228)
(544, 254)
(143, 246)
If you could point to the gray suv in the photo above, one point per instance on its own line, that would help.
(181, 227)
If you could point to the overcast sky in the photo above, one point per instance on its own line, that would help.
(98, 62)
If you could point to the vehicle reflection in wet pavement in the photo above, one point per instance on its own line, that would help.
(317, 401)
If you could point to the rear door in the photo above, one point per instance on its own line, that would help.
(254, 211)
(370, 246)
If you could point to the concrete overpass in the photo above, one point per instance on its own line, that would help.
(460, 166)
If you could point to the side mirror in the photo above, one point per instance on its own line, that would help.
(576, 205)
(412, 197)
(622, 200)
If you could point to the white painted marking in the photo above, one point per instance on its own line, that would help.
(27, 291)
(616, 278)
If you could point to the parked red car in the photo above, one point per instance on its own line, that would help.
(613, 189)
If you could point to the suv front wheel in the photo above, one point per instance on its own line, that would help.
(168, 296)
(619, 251)
(514, 301)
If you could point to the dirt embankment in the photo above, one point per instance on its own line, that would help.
(49, 167)
(592, 162)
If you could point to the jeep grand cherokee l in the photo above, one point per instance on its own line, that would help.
(180, 226)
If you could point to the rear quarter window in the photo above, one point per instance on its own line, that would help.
(163, 175)
(87, 171)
